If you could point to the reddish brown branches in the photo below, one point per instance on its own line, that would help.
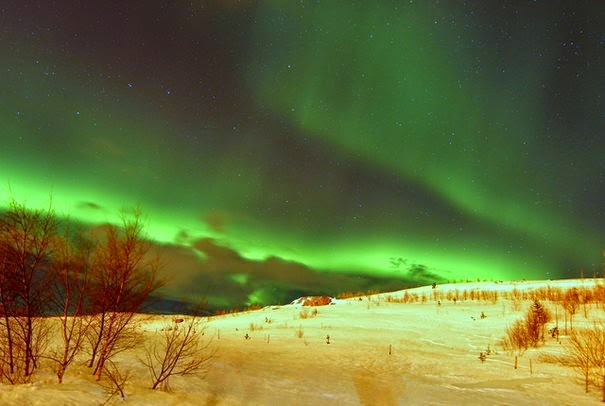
(122, 278)
(26, 250)
(181, 352)
(70, 281)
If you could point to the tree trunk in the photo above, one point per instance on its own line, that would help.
(95, 348)
(28, 346)
(98, 372)
(61, 372)
(9, 338)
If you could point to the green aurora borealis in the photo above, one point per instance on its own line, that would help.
(280, 149)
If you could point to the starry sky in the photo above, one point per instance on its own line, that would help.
(287, 148)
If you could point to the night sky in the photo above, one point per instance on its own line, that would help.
(287, 147)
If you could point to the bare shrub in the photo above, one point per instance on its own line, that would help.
(181, 352)
(516, 297)
(254, 327)
(489, 296)
(117, 381)
(599, 293)
(348, 295)
(305, 314)
(528, 332)
(586, 353)
(516, 338)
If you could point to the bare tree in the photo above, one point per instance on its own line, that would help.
(70, 281)
(586, 352)
(597, 355)
(122, 278)
(7, 345)
(571, 301)
(181, 352)
(579, 354)
(26, 240)
(536, 318)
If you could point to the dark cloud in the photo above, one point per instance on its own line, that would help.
(271, 280)
(90, 205)
(208, 269)
(421, 272)
(218, 220)
(417, 272)
(216, 252)
(182, 237)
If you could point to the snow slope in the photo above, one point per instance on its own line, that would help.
(379, 352)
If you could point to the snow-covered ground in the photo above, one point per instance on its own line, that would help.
(379, 352)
